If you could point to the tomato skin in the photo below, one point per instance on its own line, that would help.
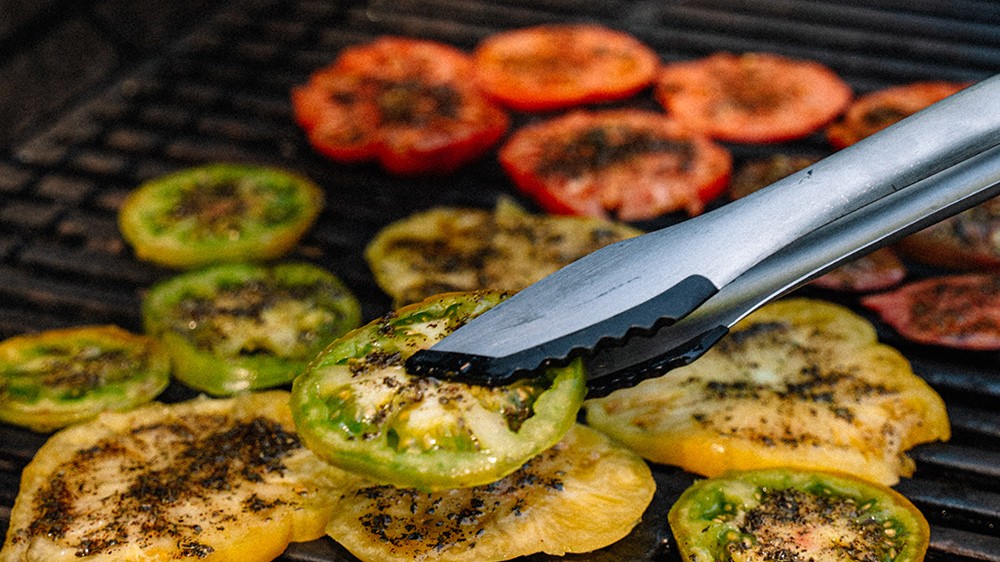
(358, 408)
(237, 327)
(752, 97)
(877, 110)
(718, 518)
(55, 378)
(219, 213)
(958, 311)
(410, 104)
(555, 66)
(633, 163)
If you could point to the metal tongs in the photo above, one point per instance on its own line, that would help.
(641, 307)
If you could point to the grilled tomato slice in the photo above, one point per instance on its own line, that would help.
(449, 249)
(219, 213)
(877, 110)
(969, 240)
(582, 494)
(219, 479)
(358, 408)
(959, 311)
(800, 383)
(556, 66)
(785, 514)
(52, 379)
(752, 97)
(236, 327)
(636, 164)
(410, 104)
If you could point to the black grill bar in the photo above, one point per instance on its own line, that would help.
(221, 93)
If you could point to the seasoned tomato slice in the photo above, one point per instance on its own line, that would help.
(410, 104)
(358, 407)
(968, 240)
(560, 65)
(219, 213)
(960, 311)
(447, 249)
(635, 164)
(752, 97)
(877, 110)
(784, 514)
(579, 495)
(800, 383)
(236, 327)
(52, 379)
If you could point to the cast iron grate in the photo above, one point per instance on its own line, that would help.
(221, 94)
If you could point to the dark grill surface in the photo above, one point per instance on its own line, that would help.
(221, 94)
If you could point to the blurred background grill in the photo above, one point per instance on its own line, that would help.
(99, 96)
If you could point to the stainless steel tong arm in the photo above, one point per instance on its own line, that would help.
(662, 276)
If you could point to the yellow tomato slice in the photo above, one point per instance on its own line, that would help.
(799, 383)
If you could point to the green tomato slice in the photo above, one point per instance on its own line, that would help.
(219, 213)
(358, 408)
(778, 514)
(237, 327)
(52, 379)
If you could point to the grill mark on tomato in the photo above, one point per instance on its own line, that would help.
(89, 368)
(600, 147)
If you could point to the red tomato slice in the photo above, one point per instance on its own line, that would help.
(636, 164)
(873, 112)
(876, 271)
(557, 66)
(960, 311)
(410, 104)
(753, 97)
(969, 240)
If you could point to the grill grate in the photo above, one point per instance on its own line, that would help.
(221, 94)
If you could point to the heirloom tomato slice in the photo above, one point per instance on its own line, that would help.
(785, 514)
(752, 97)
(959, 311)
(209, 479)
(560, 65)
(581, 494)
(55, 378)
(236, 327)
(219, 213)
(410, 104)
(447, 249)
(635, 164)
(877, 110)
(798, 383)
(358, 407)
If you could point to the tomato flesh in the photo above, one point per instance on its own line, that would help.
(636, 164)
(557, 66)
(752, 97)
(358, 408)
(410, 104)
(781, 514)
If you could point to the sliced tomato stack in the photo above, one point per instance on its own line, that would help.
(635, 164)
(410, 104)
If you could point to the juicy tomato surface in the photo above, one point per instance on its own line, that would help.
(752, 97)
(630, 163)
(881, 269)
(446, 249)
(358, 408)
(237, 327)
(557, 66)
(219, 213)
(872, 112)
(410, 104)
(558, 502)
(798, 383)
(784, 514)
(969, 240)
(55, 378)
(959, 311)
